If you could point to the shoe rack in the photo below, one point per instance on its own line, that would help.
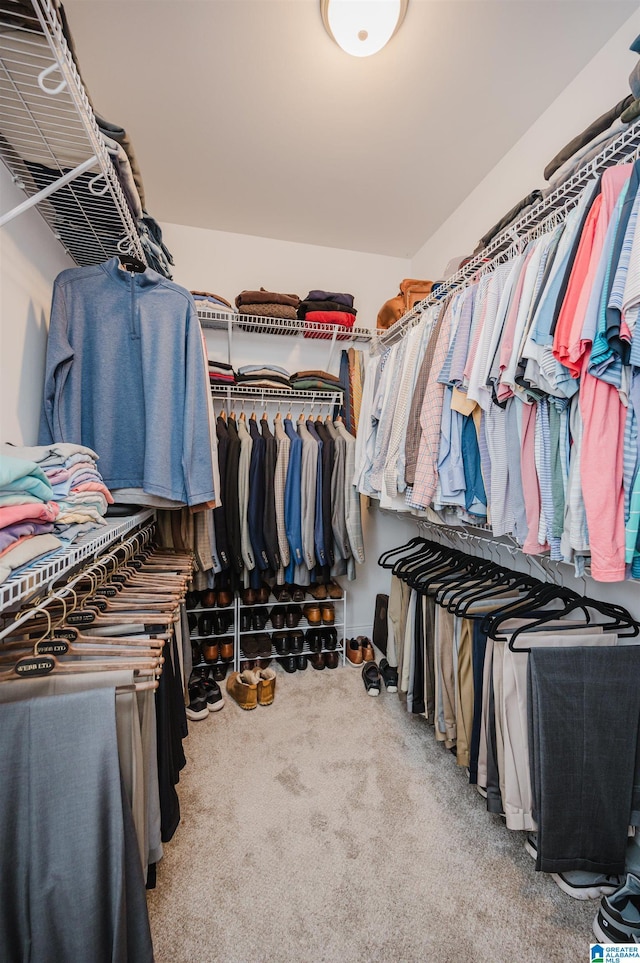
(216, 648)
(279, 642)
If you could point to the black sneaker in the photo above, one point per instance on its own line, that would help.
(371, 678)
(212, 692)
(618, 919)
(389, 676)
(198, 707)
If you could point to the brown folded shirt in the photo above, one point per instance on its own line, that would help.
(267, 297)
(285, 311)
(316, 374)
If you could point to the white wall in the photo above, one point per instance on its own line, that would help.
(600, 85)
(228, 263)
(30, 259)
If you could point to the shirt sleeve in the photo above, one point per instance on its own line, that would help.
(59, 359)
(197, 459)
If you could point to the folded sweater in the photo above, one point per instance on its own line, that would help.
(267, 297)
(305, 306)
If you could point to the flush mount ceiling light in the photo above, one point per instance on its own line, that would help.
(362, 27)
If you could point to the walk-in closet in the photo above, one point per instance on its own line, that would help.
(319, 481)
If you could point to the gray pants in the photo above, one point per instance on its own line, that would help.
(71, 884)
(584, 714)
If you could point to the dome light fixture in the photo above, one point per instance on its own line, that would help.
(362, 27)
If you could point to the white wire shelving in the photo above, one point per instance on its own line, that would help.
(230, 321)
(40, 575)
(279, 396)
(50, 142)
(543, 215)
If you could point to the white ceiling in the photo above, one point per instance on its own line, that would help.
(246, 117)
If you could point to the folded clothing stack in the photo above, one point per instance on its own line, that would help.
(213, 302)
(27, 514)
(221, 373)
(315, 381)
(268, 304)
(326, 307)
(264, 376)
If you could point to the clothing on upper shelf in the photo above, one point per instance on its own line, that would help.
(411, 291)
(126, 375)
(326, 307)
(269, 310)
(212, 302)
(263, 297)
(220, 373)
(517, 400)
(335, 307)
(264, 376)
(587, 136)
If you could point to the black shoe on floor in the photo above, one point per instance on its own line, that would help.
(389, 676)
(371, 678)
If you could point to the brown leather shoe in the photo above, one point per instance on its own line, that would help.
(263, 594)
(209, 599)
(225, 598)
(328, 613)
(354, 652)
(277, 615)
(295, 641)
(334, 591)
(281, 642)
(293, 616)
(226, 648)
(316, 659)
(266, 686)
(318, 591)
(263, 640)
(209, 649)
(368, 653)
(249, 645)
(332, 660)
(311, 612)
(282, 593)
(297, 593)
(243, 687)
(249, 596)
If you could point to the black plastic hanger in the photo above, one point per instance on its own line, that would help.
(132, 263)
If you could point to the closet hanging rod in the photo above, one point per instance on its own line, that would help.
(68, 587)
(559, 202)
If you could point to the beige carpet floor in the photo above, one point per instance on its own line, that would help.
(331, 828)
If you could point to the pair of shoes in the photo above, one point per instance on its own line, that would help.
(324, 660)
(256, 645)
(278, 616)
(371, 678)
(319, 639)
(208, 599)
(219, 671)
(260, 596)
(217, 648)
(214, 624)
(618, 918)
(360, 650)
(204, 695)
(288, 643)
(296, 593)
(252, 688)
(334, 591)
(294, 663)
(315, 613)
(255, 618)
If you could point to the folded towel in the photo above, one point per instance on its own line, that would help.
(267, 297)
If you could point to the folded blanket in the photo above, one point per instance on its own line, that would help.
(285, 311)
(344, 299)
(267, 297)
(342, 318)
(305, 306)
(599, 125)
